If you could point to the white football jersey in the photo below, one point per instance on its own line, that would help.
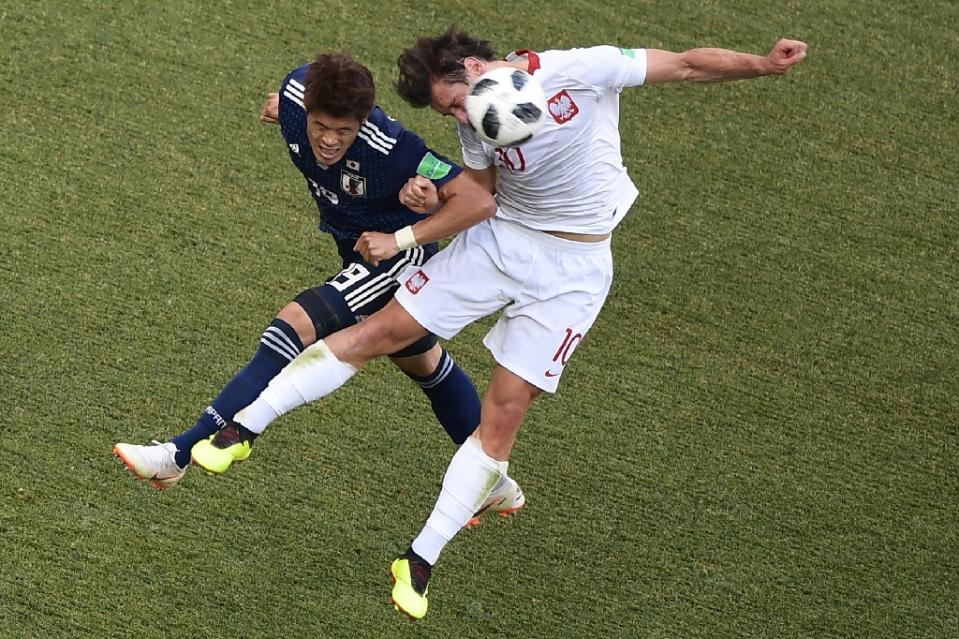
(569, 176)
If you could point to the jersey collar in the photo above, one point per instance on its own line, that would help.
(531, 56)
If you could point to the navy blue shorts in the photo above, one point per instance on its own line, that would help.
(366, 289)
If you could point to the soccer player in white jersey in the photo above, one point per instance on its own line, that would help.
(355, 159)
(544, 257)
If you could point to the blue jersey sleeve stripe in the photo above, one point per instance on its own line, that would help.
(377, 133)
(293, 98)
(297, 86)
(374, 144)
(292, 89)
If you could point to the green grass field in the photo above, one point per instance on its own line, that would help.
(759, 438)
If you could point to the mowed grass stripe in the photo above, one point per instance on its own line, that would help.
(757, 439)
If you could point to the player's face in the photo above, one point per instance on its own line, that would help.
(449, 98)
(330, 137)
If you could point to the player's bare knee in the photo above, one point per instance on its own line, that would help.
(377, 336)
(297, 317)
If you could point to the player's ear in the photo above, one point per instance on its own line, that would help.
(474, 65)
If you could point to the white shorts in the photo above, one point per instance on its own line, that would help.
(552, 290)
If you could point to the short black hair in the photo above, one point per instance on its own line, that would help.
(339, 86)
(439, 58)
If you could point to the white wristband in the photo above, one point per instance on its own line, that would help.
(405, 238)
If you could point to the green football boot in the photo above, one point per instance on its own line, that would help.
(216, 454)
(411, 578)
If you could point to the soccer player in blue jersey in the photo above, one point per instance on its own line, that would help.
(543, 261)
(355, 160)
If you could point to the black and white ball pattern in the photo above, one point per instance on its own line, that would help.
(506, 106)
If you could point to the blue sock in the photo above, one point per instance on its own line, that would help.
(279, 345)
(454, 398)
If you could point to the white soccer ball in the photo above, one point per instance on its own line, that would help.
(506, 106)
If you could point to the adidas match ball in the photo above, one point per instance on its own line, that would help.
(506, 106)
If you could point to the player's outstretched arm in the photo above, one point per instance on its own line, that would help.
(465, 203)
(720, 65)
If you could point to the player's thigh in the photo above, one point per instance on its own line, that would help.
(535, 338)
(357, 291)
(366, 288)
(387, 331)
(461, 284)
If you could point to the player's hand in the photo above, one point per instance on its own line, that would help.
(270, 112)
(375, 246)
(785, 55)
(419, 194)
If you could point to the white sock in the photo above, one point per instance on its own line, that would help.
(315, 373)
(469, 480)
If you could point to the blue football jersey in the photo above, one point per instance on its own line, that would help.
(361, 191)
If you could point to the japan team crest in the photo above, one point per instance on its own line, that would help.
(562, 107)
(353, 184)
(416, 282)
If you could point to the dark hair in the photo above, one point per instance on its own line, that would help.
(339, 86)
(439, 58)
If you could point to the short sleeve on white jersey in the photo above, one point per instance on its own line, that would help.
(606, 66)
(476, 155)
